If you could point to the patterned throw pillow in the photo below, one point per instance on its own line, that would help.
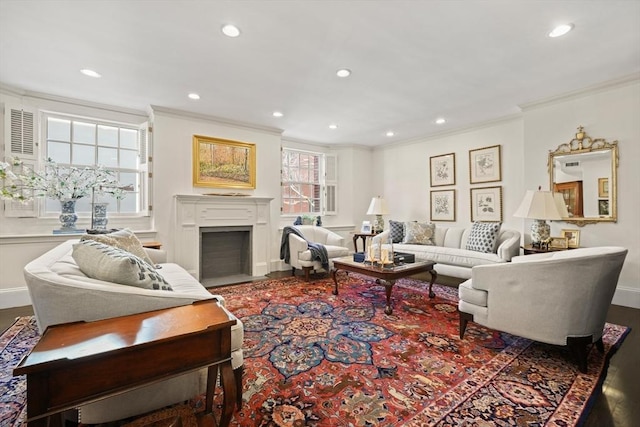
(483, 237)
(396, 231)
(420, 233)
(123, 239)
(104, 262)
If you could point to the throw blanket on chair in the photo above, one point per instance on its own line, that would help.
(318, 251)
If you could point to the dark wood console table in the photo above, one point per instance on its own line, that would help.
(79, 363)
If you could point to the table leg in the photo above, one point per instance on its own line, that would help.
(434, 276)
(212, 379)
(355, 243)
(230, 396)
(334, 274)
(388, 286)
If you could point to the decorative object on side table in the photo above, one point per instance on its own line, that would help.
(573, 238)
(378, 207)
(541, 206)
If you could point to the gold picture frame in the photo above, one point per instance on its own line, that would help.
(485, 165)
(443, 169)
(486, 204)
(222, 163)
(573, 237)
(603, 187)
(559, 243)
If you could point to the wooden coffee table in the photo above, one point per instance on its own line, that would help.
(386, 276)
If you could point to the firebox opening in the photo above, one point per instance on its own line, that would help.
(225, 255)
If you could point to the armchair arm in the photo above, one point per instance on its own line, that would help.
(510, 246)
(158, 256)
(296, 245)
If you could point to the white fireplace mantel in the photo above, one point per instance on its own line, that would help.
(193, 211)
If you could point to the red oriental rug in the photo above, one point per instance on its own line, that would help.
(315, 359)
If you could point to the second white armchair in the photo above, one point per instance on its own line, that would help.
(302, 257)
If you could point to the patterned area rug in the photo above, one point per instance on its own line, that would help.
(315, 359)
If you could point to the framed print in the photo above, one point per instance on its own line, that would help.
(486, 204)
(366, 227)
(558, 243)
(573, 237)
(222, 163)
(485, 165)
(603, 207)
(603, 187)
(443, 169)
(443, 205)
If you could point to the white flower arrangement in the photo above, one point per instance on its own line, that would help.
(58, 182)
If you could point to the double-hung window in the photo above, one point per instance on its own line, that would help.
(80, 142)
(308, 183)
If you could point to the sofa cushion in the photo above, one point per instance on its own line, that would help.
(419, 233)
(396, 231)
(124, 239)
(108, 263)
(483, 237)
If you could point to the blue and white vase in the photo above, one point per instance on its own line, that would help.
(68, 215)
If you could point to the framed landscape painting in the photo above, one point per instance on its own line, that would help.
(486, 204)
(443, 205)
(443, 170)
(222, 163)
(485, 165)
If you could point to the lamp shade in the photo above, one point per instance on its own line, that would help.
(377, 206)
(542, 205)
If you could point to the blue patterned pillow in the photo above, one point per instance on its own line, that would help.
(104, 262)
(396, 231)
(483, 237)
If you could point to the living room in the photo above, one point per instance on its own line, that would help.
(398, 170)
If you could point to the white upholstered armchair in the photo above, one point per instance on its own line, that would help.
(301, 257)
(557, 298)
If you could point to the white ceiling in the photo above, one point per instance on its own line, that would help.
(412, 61)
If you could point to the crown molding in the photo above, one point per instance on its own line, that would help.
(155, 109)
(629, 79)
(21, 93)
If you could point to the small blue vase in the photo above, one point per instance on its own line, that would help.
(68, 215)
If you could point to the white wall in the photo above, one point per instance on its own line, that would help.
(606, 112)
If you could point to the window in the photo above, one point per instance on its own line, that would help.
(80, 142)
(308, 183)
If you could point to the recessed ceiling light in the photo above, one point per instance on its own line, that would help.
(277, 114)
(343, 72)
(333, 126)
(561, 30)
(230, 30)
(390, 133)
(440, 121)
(193, 96)
(90, 73)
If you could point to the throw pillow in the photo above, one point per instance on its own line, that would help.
(396, 231)
(103, 262)
(123, 239)
(483, 237)
(420, 233)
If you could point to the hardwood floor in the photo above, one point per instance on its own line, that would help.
(617, 406)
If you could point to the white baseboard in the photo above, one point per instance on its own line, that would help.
(14, 297)
(627, 297)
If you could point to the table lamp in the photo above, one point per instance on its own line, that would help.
(541, 206)
(378, 207)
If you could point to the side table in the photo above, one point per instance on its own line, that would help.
(152, 245)
(528, 250)
(358, 235)
(111, 356)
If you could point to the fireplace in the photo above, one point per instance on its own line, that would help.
(225, 255)
(242, 221)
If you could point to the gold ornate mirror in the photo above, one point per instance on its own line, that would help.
(585, 171)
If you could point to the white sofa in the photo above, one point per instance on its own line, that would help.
(557, 298)
(61, 293)
(449, 253)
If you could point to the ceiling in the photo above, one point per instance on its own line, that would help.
(411, 61)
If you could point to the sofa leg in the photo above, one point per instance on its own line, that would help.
(237, 373)
(464, 320)
(578, 347)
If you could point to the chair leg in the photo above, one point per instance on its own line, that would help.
(307, 271)
(237, 373)
(293, 271)
(464, 319)
(578, 347)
